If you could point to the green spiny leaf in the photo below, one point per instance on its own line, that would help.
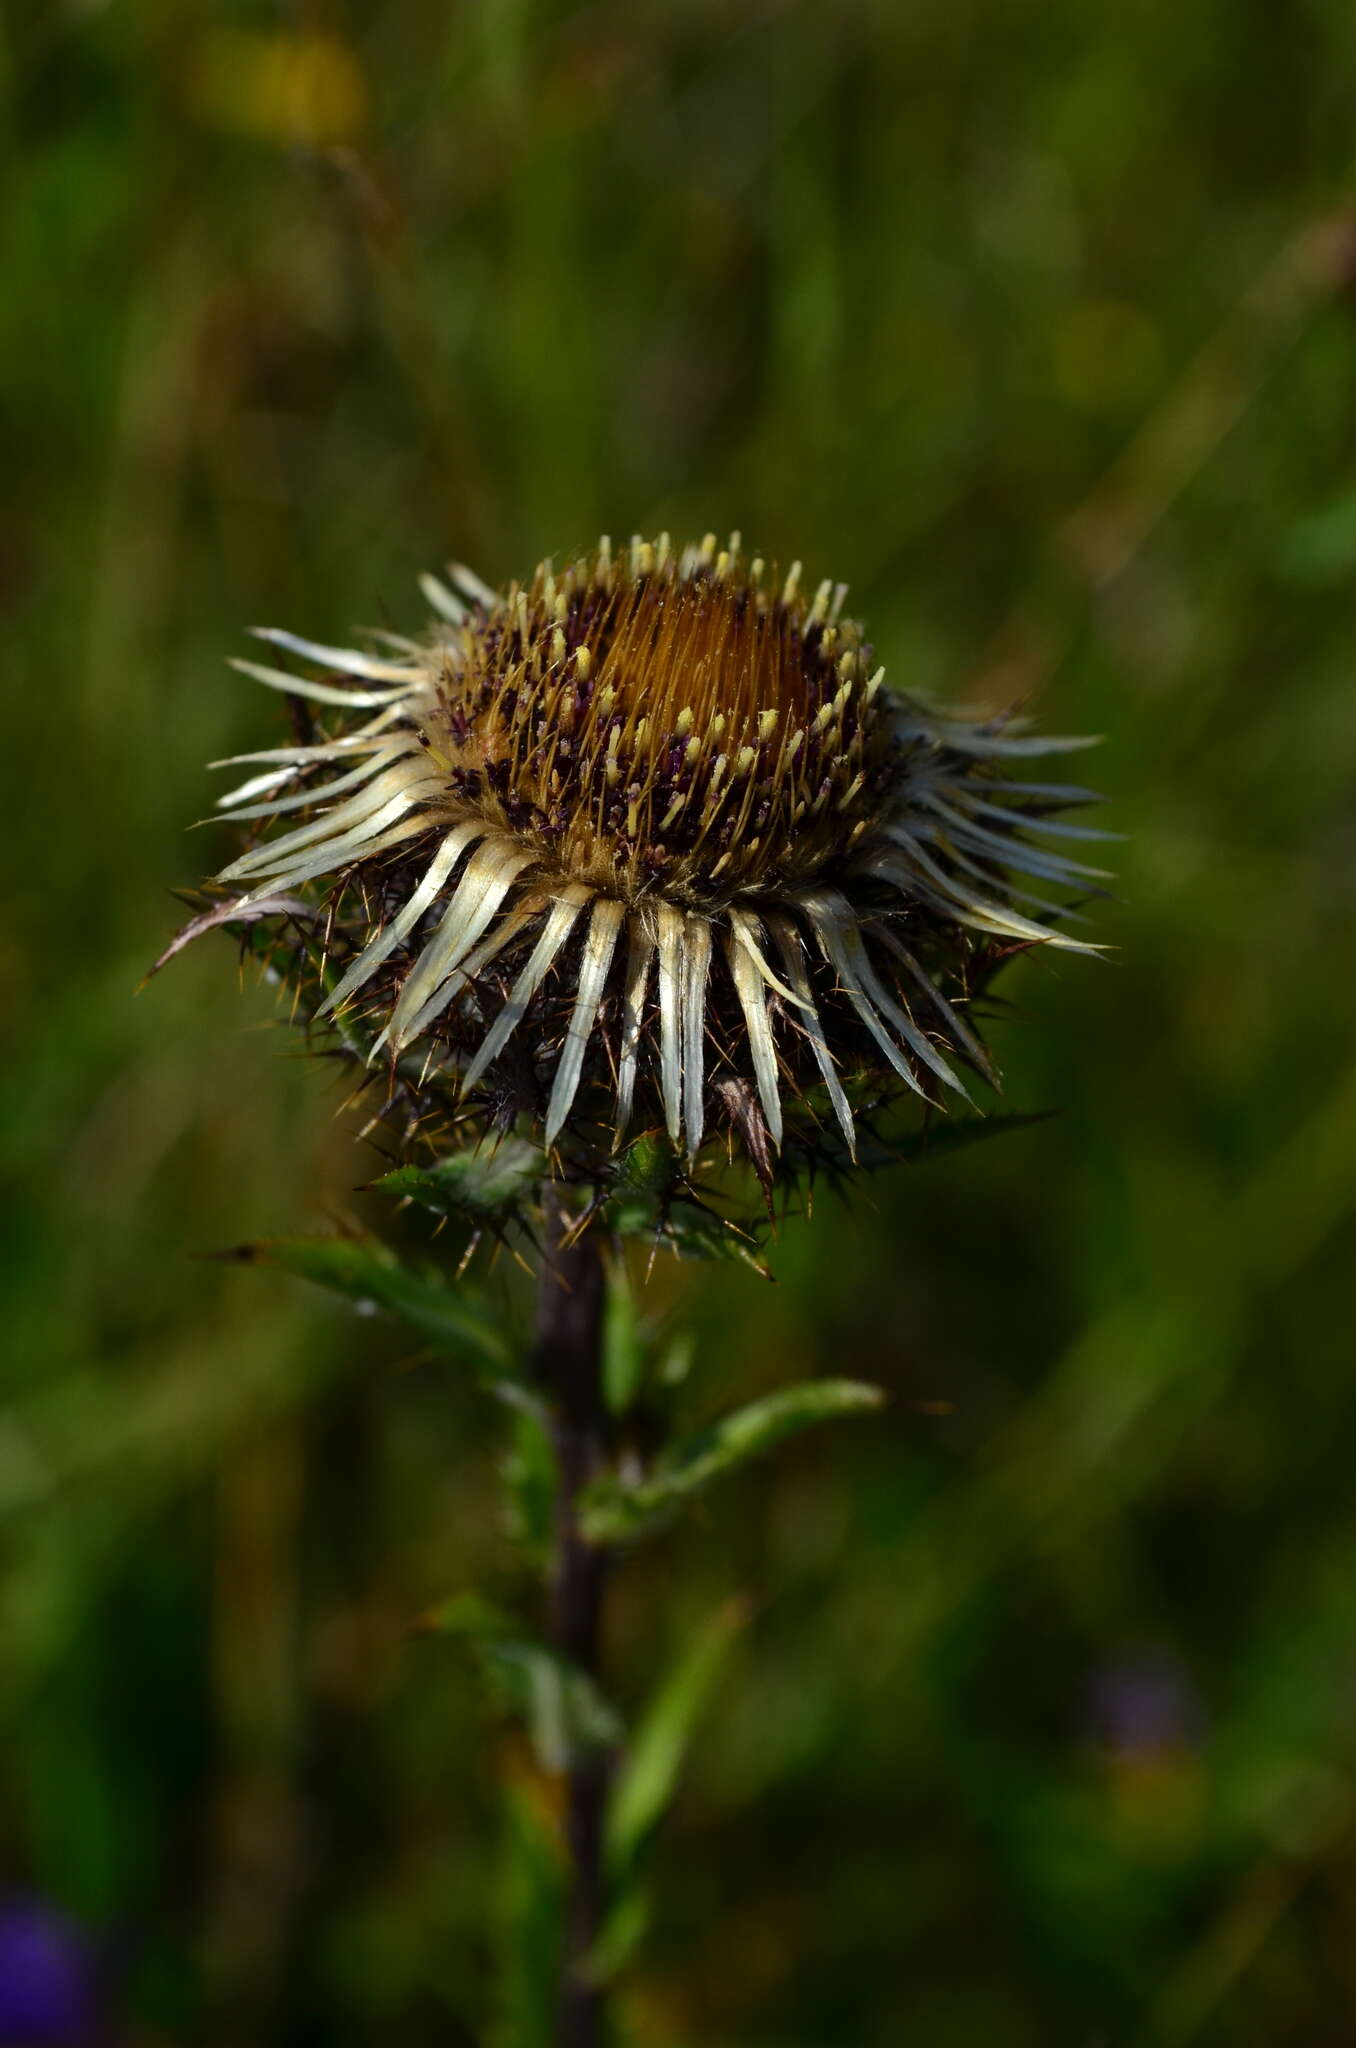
(453, 1319)
(646, 1172)
(698, 1233)
(483, 1185)
(651, 1198)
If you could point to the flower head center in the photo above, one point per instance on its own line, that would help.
(658, 722)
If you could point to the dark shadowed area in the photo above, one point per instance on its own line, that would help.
(1036, 323)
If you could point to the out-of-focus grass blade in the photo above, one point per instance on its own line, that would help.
(649, 1776)
(625, 1928)
(530, 1909)
(611, 1509)
(454, 1319)
(658, 1748)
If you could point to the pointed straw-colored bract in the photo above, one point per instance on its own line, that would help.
(646, 823)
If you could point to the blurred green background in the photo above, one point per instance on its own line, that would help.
(1037, 322)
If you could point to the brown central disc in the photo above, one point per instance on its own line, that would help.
(655, 721)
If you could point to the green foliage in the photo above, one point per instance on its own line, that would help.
(485, 1186)
(1017, 319)
(562, 1709)
(1320, 550)
(660, 1742)
(528, 1897)
(613, 1509)
(625, 1344)
(651, 1199)
(530, 1480)
(451, 1317)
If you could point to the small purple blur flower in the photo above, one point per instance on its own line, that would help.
(1143, 1705)
(49, 1980)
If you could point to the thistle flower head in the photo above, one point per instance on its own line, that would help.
(647, 840)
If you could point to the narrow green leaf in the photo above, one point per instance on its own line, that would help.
(529, 1909)
(481, 1185)
(676, 1363)
(611, 1509)
(623, 1343)
(365, 1271)
(562, 1708)
(531, 1478)
(625, 1927)
(663, 1735)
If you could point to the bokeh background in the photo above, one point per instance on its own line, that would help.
(1037, 321)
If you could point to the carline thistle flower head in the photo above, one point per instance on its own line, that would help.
(647, 841)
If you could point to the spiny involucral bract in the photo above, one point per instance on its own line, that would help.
(643, 842)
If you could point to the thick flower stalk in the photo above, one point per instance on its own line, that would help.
(648, 840)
